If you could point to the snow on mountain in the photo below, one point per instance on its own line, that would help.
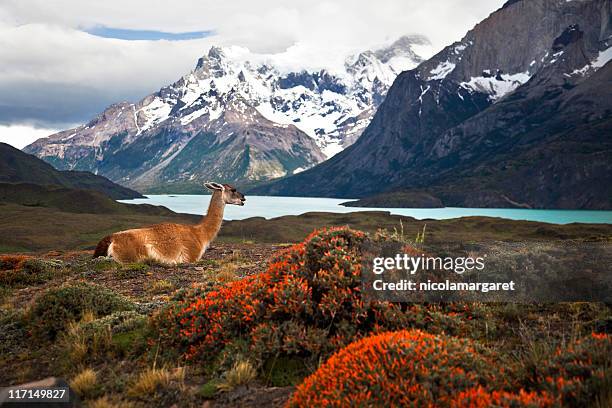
(317, 103)
(231, 87)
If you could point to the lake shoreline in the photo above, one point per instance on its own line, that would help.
(270, 207)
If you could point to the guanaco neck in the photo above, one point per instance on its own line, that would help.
(211, 222)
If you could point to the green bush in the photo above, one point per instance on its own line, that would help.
(31, 271)
(102, 264)
(55, 308)
(117, 322)
(121, 333)
(13, 331)
(39, 266)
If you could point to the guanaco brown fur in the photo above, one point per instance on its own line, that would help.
(172, 243)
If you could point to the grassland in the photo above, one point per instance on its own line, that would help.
(111, 355)
(36, 228)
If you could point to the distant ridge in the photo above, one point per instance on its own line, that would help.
(19, 167)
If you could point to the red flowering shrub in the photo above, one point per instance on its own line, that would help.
(478, 397)
(307, 303)
(404, 368)
(12, 261)
(577, 371)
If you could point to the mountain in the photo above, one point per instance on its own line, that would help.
(236, 117)
(516, 114)
(19, 167)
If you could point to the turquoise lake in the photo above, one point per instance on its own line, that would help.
(271, 207)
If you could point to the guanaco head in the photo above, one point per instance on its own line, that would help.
(230, 194)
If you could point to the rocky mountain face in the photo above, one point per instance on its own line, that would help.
(515, 114)
(236, 117)
(18, 168)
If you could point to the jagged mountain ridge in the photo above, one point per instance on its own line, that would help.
(516, 114)
(232, 118)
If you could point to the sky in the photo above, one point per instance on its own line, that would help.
(64, 61)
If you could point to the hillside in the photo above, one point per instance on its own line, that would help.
(238, 116)
(72, 200)
(19, 167)
(515, 114)
(101, 324)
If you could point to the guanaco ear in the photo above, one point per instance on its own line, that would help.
(214, 186)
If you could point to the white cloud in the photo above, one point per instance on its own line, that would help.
(20, 136)
(51, 72)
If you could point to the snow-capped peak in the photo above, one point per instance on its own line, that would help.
(319, 102)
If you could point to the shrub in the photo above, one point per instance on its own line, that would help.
(117, 322)
(404, 368)
(307, 303)
(13, 331)
(478, 397)
(12, 261)
(27, 271)
(115, 332)
(102, 264)
(579, 371)
(55, 308)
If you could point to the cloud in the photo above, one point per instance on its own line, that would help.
(20, 136)
(53, 72)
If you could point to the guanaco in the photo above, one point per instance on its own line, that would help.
(172, 243)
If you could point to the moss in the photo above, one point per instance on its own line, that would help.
(209, 390)
(129, 343)
(55, 308)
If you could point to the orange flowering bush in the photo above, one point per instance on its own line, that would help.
(12, 261)
(404, 368)
(577, 372)
(307, 303)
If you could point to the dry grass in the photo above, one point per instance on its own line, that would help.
(76, 343)
(152, 379)
(106, 402)
(227, 273)
(228, 269)
(241, 373)
(88, 316)
(161, 286)
(84, 383)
